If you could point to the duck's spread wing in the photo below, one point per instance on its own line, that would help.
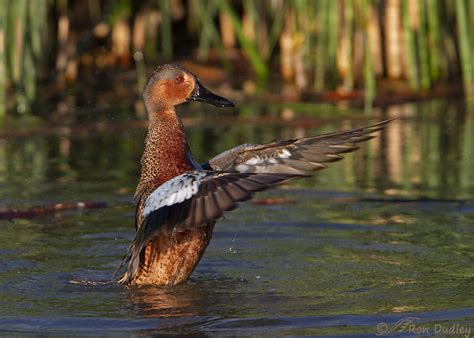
(193, 199)
(297, 156)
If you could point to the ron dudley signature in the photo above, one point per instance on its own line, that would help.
(409, 325)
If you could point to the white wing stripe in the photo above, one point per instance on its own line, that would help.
(242, 168)
(284, 153)
(176, 190)
(254, 161)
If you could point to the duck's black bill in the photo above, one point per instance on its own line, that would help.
(202, 94)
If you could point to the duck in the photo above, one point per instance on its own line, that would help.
(178, 200)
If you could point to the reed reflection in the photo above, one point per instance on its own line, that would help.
(427, 151)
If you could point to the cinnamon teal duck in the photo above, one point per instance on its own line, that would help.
(179, 200)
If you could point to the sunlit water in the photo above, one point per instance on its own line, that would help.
(383, 236)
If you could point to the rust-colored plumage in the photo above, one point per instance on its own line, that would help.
(168, 258)
(179, 201)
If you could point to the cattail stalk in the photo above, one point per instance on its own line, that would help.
(467, 68)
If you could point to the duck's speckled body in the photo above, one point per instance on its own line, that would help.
(179, 201)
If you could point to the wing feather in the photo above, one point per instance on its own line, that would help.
(198, 197)
(189, 200)
(224, 200)
(298, 156)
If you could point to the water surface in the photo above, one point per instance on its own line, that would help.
(385, 235)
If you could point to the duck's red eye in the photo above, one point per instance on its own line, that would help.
(179, 79)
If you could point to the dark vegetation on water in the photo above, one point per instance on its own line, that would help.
(60, 57)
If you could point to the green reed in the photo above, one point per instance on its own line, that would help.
(464, 45)
(208, 31)
(166, 29)
(412, 66)
(22, 44)
(3, 76)
(369, 72)
(248, 47)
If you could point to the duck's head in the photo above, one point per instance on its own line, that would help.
(172, 85)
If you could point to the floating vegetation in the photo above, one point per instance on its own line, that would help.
(311, 46)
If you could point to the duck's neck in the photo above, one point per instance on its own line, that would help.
(166, 150)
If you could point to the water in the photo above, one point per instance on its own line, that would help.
(384, 236)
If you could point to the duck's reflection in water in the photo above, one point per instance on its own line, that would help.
(159, 301)
(192, 299)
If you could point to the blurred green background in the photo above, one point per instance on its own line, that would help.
(56, 55)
